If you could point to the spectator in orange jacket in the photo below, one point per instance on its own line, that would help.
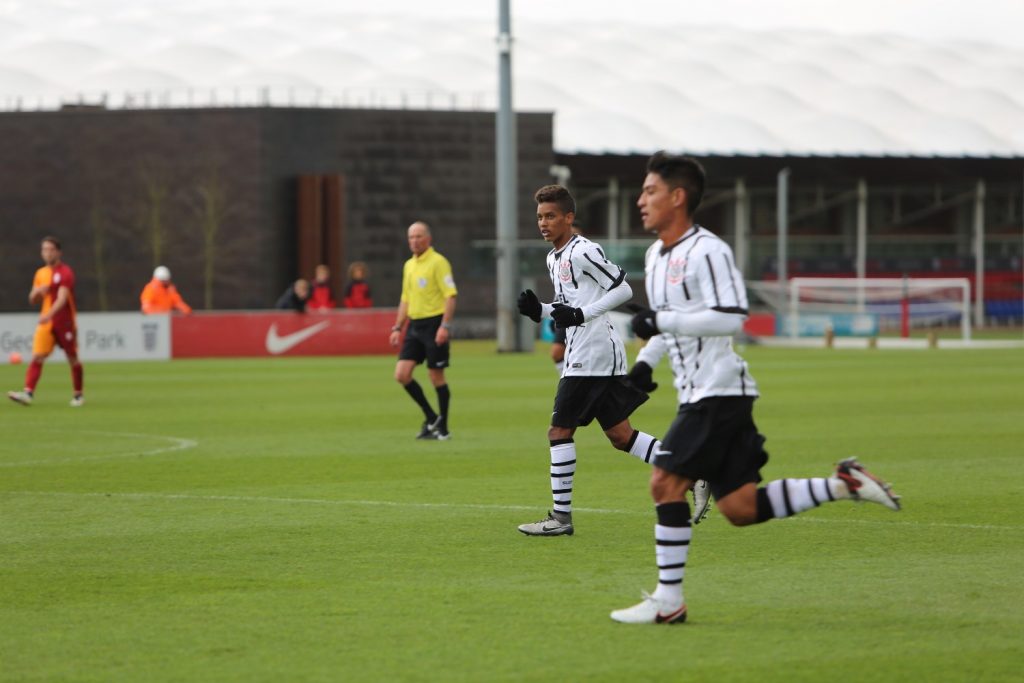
(160, 296)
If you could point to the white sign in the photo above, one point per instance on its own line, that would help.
(101, 336)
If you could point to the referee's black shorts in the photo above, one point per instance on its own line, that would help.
(582, 399)
(419, 343)
(715, 439)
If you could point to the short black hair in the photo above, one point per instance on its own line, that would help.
(52, 240)
(680, 171)
(557, 194)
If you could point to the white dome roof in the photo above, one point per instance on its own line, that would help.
(613, 88)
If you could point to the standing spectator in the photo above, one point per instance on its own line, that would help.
(428, 303)
(321, 299)
(161, 296)
(54, 288)
(295, 297)
(357, 292)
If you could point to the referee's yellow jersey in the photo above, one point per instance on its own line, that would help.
(426, 282)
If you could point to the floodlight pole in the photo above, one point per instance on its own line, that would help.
(862, 240)
(979, 254)
(505, 174)
(782, 220)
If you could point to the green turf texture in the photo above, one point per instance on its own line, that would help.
(306, 536)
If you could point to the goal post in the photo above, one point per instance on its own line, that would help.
(810, 306)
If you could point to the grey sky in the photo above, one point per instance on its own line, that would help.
(979, 20)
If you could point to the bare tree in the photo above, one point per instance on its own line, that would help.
(211, 211)
(156, 191)
(98, 222)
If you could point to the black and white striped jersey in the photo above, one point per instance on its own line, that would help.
(584, 278)
(701, 302)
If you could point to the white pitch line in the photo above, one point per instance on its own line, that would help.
(177, 444)
(306, 501)
(473, 506)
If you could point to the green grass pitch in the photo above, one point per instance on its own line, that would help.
(275, 520)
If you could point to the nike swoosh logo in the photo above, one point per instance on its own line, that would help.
(278, 344)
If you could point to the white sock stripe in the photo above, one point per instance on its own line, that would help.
(775, 497)
(644, 447)
(672, 533)
(819, 486)
(563, 469)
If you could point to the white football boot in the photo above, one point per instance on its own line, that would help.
(22, 397)
(555, 524)
(701, 501)
(865, 486)
(651, 611)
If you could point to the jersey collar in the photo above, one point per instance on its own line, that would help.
(558, 252)
(428, 252)
(686, 235)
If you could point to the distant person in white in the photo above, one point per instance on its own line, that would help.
(698, 301)
(593, 385)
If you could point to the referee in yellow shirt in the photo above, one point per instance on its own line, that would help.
(428, 303)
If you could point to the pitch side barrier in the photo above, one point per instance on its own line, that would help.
(219, 334)
(101, 336)
(345, 332)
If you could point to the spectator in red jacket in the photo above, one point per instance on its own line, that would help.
(357, 293)
(320, 299)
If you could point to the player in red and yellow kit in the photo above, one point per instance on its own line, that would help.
(53, 287)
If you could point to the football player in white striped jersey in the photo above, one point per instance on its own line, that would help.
(593, 385)
(698, 302)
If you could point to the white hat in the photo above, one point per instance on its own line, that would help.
(162, 273)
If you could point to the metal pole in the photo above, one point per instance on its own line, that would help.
(862, 240)
(782, 219)
(979, 254)
(742, 226)
(505, 158)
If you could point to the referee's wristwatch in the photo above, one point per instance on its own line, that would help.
(396, 328)
(446, 326)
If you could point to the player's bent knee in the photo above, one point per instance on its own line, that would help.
(559, 433)
(667, 487)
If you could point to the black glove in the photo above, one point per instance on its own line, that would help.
(529, 305)
(567, 316)
(642, 377)
(645, 321)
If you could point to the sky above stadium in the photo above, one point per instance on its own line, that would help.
(981, 20)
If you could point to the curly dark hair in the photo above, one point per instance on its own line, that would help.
(557, 194)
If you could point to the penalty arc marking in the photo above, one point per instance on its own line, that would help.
(171, 445)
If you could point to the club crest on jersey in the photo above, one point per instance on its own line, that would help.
(675, 270)
(422, 282)
(565, 271)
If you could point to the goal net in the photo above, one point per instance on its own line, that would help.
(867, 306)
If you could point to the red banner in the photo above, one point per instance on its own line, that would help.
(336, 333)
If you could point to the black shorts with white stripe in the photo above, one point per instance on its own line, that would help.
(715, 439)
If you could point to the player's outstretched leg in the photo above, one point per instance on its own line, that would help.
(786, 497)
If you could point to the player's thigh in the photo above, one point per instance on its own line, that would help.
(43, 341)
(618, 401)
(576, 401)
(67, 340)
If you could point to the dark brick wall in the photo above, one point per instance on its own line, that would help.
(100, 180)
